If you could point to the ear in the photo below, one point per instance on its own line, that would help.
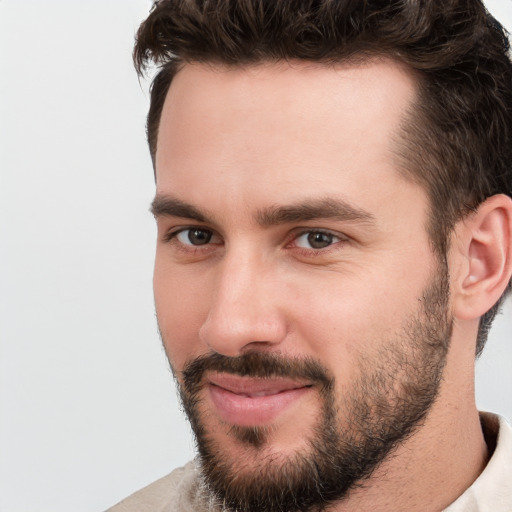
(484, 241)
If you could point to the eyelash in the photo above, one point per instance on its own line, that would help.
(318, 232)
(171, 237)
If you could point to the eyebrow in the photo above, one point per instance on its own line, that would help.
(167, 206)
(314, 209)
(323, 208)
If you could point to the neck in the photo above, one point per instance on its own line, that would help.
(443, 457)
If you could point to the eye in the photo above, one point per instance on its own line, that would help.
(316, 240)
(194, 236)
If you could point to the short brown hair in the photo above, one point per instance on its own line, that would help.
(458, 142)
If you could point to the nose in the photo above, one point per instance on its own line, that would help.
(244, 312)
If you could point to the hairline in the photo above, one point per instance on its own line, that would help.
(175, 66)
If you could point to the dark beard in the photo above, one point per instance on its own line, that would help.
(394, 392)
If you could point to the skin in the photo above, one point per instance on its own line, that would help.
(234, 143)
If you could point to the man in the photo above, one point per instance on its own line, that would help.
(333, 200)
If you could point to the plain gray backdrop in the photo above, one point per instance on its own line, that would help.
(88, 407)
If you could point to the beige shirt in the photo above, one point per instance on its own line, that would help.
(491, 491)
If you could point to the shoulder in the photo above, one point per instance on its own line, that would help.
(174, 492)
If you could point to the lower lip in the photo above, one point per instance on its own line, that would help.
(253, 411)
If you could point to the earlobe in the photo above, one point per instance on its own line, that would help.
(487, 246)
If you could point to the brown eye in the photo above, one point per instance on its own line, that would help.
(319, 240)
(316, 240)
(194, 236)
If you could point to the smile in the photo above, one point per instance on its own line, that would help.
(250, 402)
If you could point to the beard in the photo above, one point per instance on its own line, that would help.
(355, 431)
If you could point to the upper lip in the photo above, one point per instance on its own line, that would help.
(254, 386)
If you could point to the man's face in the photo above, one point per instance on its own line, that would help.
(301, 308)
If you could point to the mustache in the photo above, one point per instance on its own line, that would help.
(255, 364)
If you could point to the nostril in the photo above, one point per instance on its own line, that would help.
(237, 333)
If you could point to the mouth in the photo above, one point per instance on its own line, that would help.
(250, 402)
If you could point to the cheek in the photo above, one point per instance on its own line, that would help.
(353, 316)
(181, 308)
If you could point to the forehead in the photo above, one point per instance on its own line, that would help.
(257, 133)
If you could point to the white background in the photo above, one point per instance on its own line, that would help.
(88, 408)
